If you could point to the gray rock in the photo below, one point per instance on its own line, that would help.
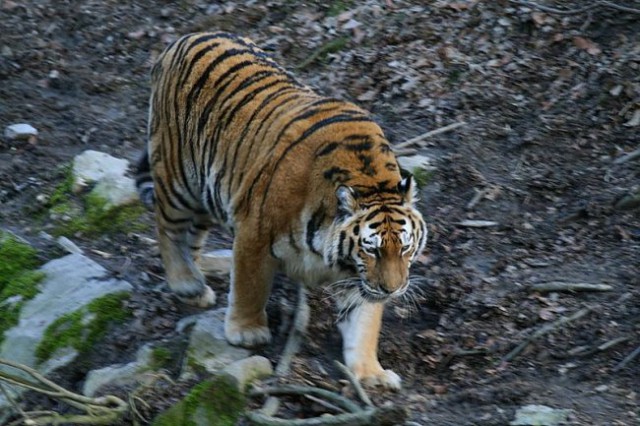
(20, 131)
(540, 415)
(420, 162)
(208, 348)
(94, 166)
(248, 370)
(120, 374)
(116, 190)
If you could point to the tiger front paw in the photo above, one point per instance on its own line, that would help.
(206, 299)
(377, 376)
(247, 336)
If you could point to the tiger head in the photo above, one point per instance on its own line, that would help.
(378, 237)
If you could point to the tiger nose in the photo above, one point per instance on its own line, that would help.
(388, 288)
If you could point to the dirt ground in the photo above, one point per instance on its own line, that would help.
(551, 102)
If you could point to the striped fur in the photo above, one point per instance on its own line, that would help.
(305, 183)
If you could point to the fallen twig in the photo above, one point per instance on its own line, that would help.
(596, 4)
(564, 286)
(627, 360)
(355, 415)
(627, 157)
(355, 383)
(424, 136)
(325, 404)
(298, 329)
(478, 223)
(543, 331)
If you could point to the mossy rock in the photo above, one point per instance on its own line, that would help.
(214, 402)
(84, 327)
(90, 214)
(18, 279)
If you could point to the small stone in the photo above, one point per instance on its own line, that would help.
(531, 415)
(602, 388)
(246, 371)
(20, 131)
(93, 166)
(116, 190)
(414, 162)
(69, 245)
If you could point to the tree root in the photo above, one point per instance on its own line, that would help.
(627, 360)
(103, 410)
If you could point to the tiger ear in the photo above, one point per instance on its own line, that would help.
(347, 203)
(408, 189)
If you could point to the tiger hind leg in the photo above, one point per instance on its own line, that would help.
(177, 242)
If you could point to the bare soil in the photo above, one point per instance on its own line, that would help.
(549, 101)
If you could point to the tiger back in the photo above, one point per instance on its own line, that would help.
(306, 184)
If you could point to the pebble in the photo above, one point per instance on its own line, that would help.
(20, 131)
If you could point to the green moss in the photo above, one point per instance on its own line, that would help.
(422, 176)
(98, 218)
(337, 7)
(160, 358)
(214, 402)
(17, 279)
(62, 192)
(332, 46)
(83, 328)
(92, 216)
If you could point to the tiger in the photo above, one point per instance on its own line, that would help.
(306, 184)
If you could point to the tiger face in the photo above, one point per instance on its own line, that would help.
(379, 240)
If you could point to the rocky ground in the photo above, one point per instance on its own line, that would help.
(551, 103)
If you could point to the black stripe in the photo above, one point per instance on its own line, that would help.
(328, 149)
(359, 147)
(308, 113)
(367, 168)
(330, 173)
(292, 241)
(313, 225)
(343, 235)
(340, 118)
(168, 194)
(280, 92)
(373, 214)
(186, 222)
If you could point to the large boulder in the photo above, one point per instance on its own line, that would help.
(71, 284)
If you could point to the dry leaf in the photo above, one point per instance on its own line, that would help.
(586, 44)
(539, 18)
(546, 314)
